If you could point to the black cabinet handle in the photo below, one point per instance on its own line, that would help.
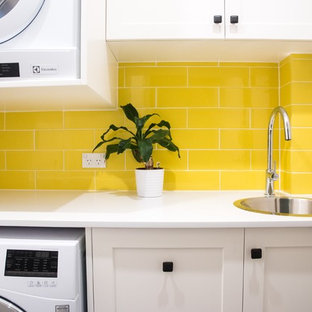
(256, 253)
(234, 19)
(217, 19)
(167, 266)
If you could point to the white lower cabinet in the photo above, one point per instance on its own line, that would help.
(202, 270)
(176, 270)
(281, 279)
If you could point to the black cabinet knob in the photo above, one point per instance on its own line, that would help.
(167, 266)
(256, 253)
(217, 19)
(234, 19)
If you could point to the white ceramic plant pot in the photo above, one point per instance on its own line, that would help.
(149, 182)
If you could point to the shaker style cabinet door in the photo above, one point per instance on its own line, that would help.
(278, 270)
(165, 19)
(267, 19)
(168, 270)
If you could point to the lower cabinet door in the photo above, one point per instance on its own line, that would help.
(278, 270)
(149, 270)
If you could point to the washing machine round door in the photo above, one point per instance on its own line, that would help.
(16, 16)
(6, 306)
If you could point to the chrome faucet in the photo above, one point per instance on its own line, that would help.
(271, 174)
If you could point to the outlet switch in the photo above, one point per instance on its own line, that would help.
(93, 160)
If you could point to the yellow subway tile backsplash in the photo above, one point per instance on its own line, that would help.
(139, 97)
(298, 183)
(260, 118)
(2, 160)
(115, 180)
(16, 140)
(34, 120)
(218, 118)
(259, 159)
(1, 121)
(34, 160)
(219, 159)
(297, 161)
(248, 97)
(187, 97)
(91, 120)
(65, 180)
(301, 70)
(264, 77)
(301, 139)
(17, 179)
(64, 139)
(301, 93)
(155, 76)
(196, 138)
(218, 77)
(242, 180)
(121, 77)
(301, 115)
(191, 180)
(248, 64)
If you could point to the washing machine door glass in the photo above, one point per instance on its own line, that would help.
(6, 306)
(16, 16)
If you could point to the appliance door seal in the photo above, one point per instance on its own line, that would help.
(7, 306)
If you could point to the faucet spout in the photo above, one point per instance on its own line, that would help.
(271, 174)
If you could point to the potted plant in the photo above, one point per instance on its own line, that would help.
(149, 179)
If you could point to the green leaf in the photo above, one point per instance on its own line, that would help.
(130, 112)
(110, 149)
(123, 145)
(114, 128)
(140, 122)
(145, 149)
(169, 145)
(162, 123)
(136, 154)
(158, 135)
(98, 145)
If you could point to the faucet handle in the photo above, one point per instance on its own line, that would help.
(275, 175)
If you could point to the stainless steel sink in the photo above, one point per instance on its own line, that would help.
(286, 206)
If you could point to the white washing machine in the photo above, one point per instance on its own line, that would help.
(39, 39)
(42, 270)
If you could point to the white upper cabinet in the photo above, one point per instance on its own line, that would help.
(267, 19)
(164, 19)
(181, 19)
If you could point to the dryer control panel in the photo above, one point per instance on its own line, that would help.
(31, 263)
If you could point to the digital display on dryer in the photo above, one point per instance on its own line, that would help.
(31, 263)
(8, 70)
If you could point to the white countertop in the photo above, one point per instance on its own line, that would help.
(175, 209)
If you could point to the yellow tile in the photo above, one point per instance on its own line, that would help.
(30, 160)
(218, 118)
(2, 121)
(218, 76)
(137, 64)
(243, 139)
(115, 180)
(191, 180)
(298, 161)
(301, 139)
(176, 117)
(17, 180)
(285, 60)
(301, 93)
(34, 120)
(139, 97)
(62, 180)
(285, 95)
(264, 77)
(121, 77)
(167, 159)
(64, 139)
(248, 97)
(242, 180)
(307, 56)
(15, 140)
(219, 159)
(260, 118)
(259, 159)
(301, 115)
(196, 138)
(187, 97)
(156, 76)
(301, 70)
(73, 161)
(92, 120)
(2, 160)
(285, 74)
(300, 183)
(248, 64)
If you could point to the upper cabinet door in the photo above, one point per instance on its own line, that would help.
(267, 19)
(164, 19)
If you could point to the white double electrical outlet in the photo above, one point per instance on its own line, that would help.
(93, 160)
